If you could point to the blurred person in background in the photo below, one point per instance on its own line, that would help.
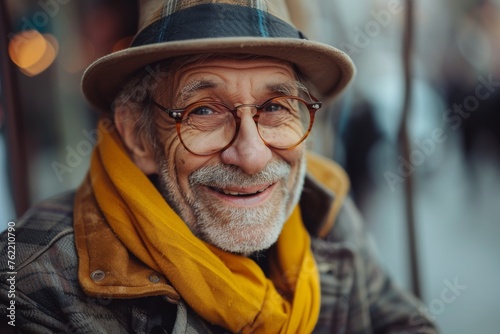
(203, 211)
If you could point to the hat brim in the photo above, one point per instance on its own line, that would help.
(328, 69)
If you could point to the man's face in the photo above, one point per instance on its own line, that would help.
(237, 199)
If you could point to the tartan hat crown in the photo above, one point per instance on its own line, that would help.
(184, 20)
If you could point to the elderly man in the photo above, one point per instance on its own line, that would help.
(202, 211)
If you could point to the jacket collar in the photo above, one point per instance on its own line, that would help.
(325, 189)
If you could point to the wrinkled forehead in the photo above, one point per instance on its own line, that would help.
(187, 73)
(237, 61)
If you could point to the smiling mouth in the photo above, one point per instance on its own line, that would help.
(240, 192)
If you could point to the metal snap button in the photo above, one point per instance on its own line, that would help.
(97, 275)
(154, 278)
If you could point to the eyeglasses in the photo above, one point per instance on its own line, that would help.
(205, 128)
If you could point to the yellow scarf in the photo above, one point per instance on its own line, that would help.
(225, 289)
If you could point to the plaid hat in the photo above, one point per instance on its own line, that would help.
(172, 28)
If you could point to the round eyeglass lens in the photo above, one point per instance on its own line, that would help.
(284, 122)
(206, 129)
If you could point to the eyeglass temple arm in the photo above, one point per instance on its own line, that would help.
(174, 113)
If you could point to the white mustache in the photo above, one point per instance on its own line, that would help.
(222, 176)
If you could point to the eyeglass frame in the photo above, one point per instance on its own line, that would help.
(178, 114)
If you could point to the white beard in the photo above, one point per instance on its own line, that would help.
(235, 229)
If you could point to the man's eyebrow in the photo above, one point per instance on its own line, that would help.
(291, 88)
(191, 88)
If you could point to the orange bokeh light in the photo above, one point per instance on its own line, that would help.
(33, 52)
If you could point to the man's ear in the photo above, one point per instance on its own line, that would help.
(140, 151)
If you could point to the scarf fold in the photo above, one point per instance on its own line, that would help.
(225, 289)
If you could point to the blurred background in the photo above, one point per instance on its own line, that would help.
(448, 256)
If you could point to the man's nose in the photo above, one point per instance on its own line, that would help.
(248, 151)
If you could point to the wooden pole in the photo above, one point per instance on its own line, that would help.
(405, 147)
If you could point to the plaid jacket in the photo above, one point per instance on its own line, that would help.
(356, 294)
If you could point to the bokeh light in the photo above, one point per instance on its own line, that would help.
(33, 52)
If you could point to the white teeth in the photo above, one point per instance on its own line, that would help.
(234, 193)
(230, 192)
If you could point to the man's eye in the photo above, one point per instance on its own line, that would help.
(273, 107)
(203, 110)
